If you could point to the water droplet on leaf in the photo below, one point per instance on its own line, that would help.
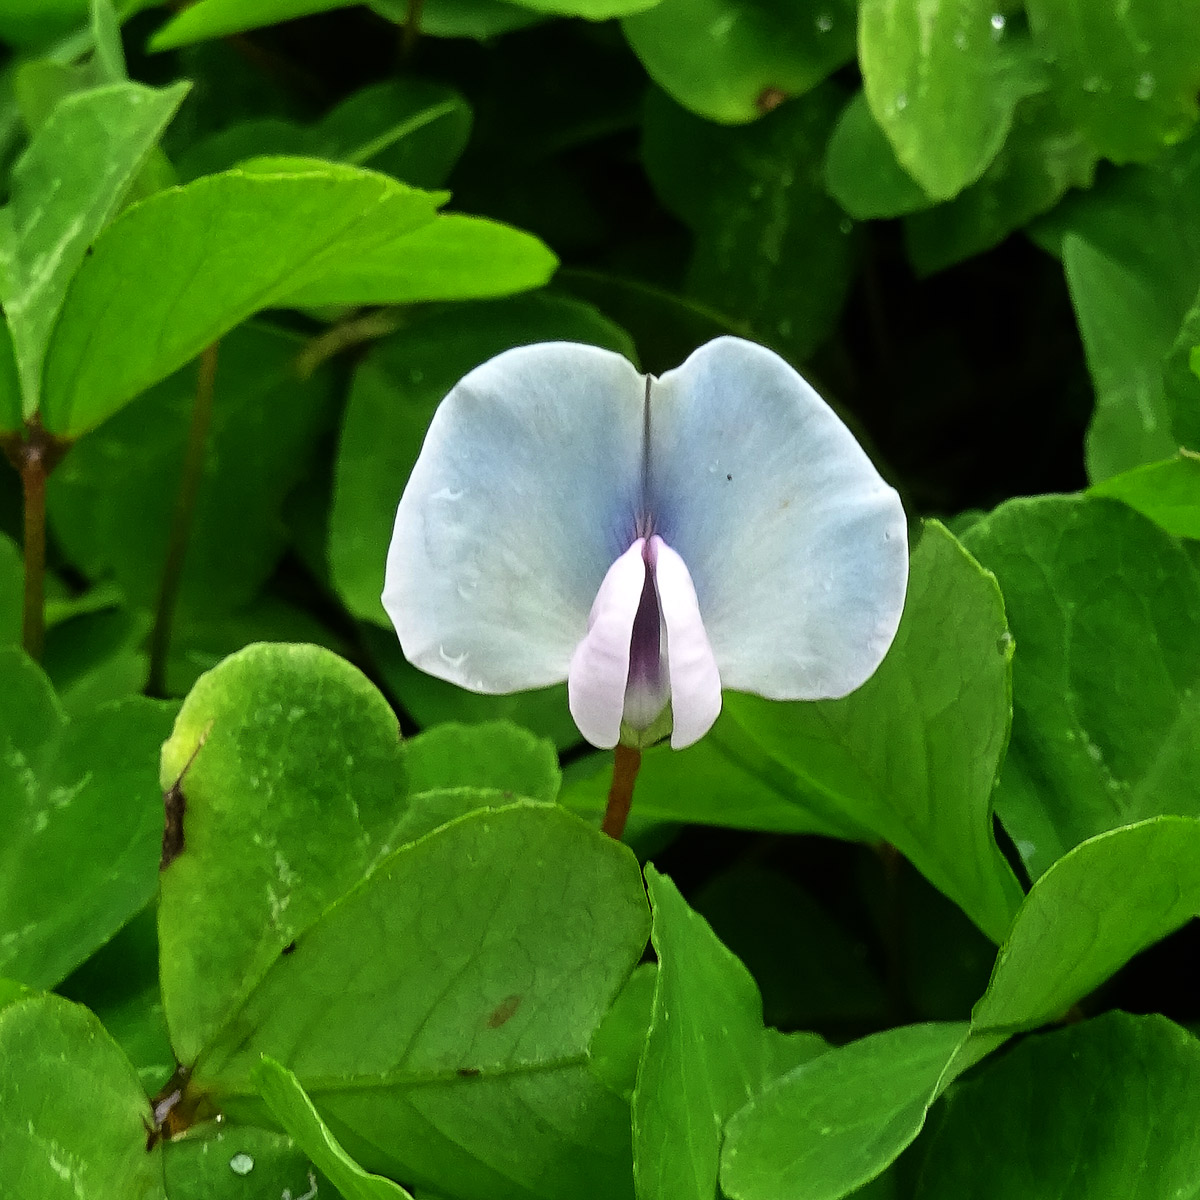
(241, 1164)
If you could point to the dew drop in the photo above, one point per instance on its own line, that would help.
(824, 22)
(1092, 84)
(1144, 88)
(960, 39)
(846, 226)
(998, 23)
(241, 1164)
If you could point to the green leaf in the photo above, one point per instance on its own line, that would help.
(412, 129)
(942, 80)
(1128, 246)
(292, 1108)
(617, 1044)
(705, 1054)
(65, 189)
(218, 18)
(1181, 381)
(1105, 609)
(440, 1013)
(479, 19)
(261, 754)
(771, 245)
(1127, 335)
(36, 23)
(392, 401)
(1134, 1138)
(1127, 76)
(109, 499)
(725, 779)
(96, 655)
(495, 755)
(1043, 157)
(119, 983)
(240, 1162)
(590, 10)
(206, 256)
(12, 591)
(913, 754)
(454, 257)
(834, 1124)
(108, 57)
(81, 824)
(10, 990)
(11, 414)
(1166, 492)
(740, 59)
(861, 171)
(1089, 914)
(73, 1117)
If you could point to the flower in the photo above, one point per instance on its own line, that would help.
(650, 541)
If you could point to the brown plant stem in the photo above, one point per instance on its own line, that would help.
(354, 331)
(626, 761)
(191, 474)
(34, 454)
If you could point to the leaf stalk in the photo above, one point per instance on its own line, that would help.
(190, 478)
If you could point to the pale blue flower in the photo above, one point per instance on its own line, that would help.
(650, 541)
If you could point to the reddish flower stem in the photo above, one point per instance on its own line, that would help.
(626, 761)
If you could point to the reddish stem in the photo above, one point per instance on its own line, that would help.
(626, 761)
(34, 454)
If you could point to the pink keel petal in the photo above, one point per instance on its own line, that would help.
(600, 664)
(695, 681)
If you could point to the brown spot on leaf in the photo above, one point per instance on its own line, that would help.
(175, 808)
(503, 1011)
(769, 99)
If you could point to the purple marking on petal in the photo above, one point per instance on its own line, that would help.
(695, 681)
(599, 668)
(649, 686)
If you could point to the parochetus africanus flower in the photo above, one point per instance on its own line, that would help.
(650, 541)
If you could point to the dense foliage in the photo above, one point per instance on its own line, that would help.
(928, 941)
